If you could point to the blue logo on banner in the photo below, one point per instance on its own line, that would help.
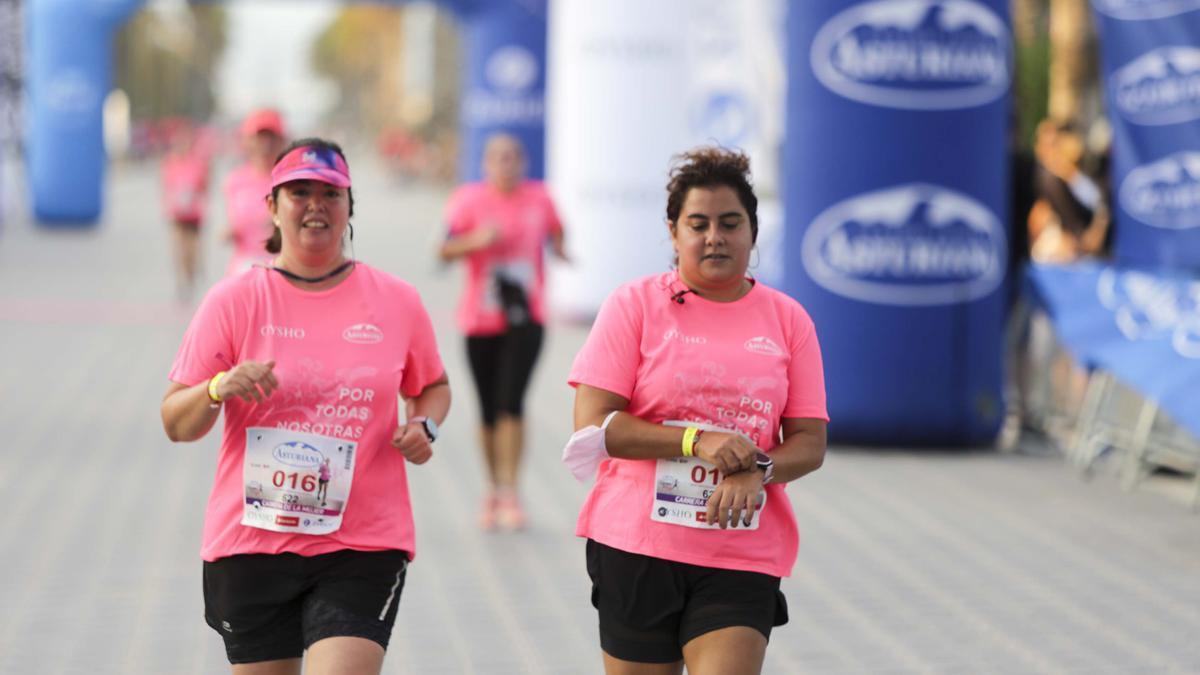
(913, 244)
(298, 454)
(1159, 87)
(726, 118)
(915, 54)
(73, 95)
(1148, 307)
(1165, 193)
(1135, 10)
(510, 72)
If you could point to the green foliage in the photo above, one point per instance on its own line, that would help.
(1031, 90)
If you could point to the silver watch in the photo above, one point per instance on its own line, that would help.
(767, 465)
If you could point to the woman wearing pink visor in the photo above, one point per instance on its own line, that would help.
(308, 530)
(246, 188)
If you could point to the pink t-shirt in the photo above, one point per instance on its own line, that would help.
(526, 218)
(741, 365)
(341, 355)
(185, 186)
(246, 190)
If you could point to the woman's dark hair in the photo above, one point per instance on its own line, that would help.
(275, 243)
(710, 167)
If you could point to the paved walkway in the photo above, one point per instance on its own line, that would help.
(948, 562)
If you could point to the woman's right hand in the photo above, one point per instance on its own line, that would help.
(249, 380)
(729, 452)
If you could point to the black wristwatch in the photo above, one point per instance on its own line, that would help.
(430, 427)
(767, 465)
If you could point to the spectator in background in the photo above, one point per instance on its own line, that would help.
(1070, 218)
(185, 191)
(248, 219)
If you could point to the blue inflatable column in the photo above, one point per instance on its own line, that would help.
(895, 179)
(68, 56)
(1149, 51)
(505, 43)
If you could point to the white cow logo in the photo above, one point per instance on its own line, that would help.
(911, 245)
(1159, 87)
(1135, 10)
(915, 54)
(1164, 193)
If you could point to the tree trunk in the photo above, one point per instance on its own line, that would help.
(1070, 68)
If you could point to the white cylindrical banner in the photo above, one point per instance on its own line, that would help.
(630, 85)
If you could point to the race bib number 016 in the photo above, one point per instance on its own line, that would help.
(682, 486)
(296, 482)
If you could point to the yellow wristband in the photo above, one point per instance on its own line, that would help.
(689, 441)
(212, 387)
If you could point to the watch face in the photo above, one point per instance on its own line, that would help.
(763, 460)
(431, 428)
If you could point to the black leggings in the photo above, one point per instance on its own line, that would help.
(502, 365)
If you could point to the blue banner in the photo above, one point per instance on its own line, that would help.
(1141, 326)
(1150, 50)
(896, 211)
(504, 91)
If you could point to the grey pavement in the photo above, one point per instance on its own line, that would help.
(910, 562)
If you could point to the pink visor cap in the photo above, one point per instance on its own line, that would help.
(310, 163)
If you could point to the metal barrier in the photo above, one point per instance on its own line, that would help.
(1109, 420)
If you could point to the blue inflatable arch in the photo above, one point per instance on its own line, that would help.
(68, 54)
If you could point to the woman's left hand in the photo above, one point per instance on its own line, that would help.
(412, 442)
(735, 498)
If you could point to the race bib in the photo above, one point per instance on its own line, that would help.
(682, 486)
(296, 482)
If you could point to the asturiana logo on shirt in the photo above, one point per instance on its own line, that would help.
(298, 454)
(911, 245)
(915, 54)
(1164, 193)
(1159, 87)
(763, 345)
(1135, 10)
(685, 339)
(363, 334)
(270, 330)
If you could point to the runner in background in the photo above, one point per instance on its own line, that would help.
(246, 188)
(185, 191)
(501, 226)
(706, 390)
(309, 529)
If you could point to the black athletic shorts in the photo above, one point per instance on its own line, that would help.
(649, 607)
(502, 366)
(275, 606)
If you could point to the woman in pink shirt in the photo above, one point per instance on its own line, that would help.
(707, 392)
(309, 528)
(501, 227)
(185, 190)
(246, 187)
